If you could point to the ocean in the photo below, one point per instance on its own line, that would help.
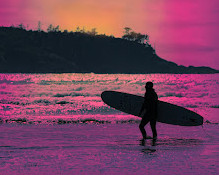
(58, 124)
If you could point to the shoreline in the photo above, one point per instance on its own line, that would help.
(106, 149)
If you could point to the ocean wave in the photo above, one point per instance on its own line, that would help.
(42, 101)
(36, 95)
(116, 88)
(94, 110)
(62, 95)
(172, 84)
(12, 102)
(202, 95)
(46, 102)
(76, 95)
(62, 102)
(45, 82)
(191, 106)
(4, 93)
(5, 81)
(83, 81)
(171, 94)
(21, 82)
(57, 107)
(79, 89)
(6, 108)
(88, 120)
(215, 106)
(68, 121)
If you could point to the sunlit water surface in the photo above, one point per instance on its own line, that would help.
(58, 124)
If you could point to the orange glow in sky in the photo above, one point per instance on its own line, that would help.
(185, 32)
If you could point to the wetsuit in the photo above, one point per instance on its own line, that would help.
(150, 104)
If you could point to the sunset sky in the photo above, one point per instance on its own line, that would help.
(182, 31)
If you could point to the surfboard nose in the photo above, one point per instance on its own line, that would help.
(196, 122)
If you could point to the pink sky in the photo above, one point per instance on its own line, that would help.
(185, 32)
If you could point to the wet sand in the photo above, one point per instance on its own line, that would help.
(107, 149)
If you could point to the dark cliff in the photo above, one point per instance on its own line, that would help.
(24, 51)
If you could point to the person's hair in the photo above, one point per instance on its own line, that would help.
(149, 84)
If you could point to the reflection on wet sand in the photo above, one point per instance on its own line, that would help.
(151, 145)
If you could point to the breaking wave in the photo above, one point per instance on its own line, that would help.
(76, 95)
(216, 106)
(22, 82)
(88, 120)
(171, 95)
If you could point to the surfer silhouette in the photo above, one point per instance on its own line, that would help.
(150, 105)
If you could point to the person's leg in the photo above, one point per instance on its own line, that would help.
(153, 128)
(144, 121)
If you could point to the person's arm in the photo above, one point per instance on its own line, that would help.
(156, 96)
(156, 103)
(142, 108)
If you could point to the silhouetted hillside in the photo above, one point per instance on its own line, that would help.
(40, 52)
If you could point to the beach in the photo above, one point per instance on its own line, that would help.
(107, 149)
(58, 124)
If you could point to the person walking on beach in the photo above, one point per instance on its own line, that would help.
(150, 105)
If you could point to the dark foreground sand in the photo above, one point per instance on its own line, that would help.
(107, 149)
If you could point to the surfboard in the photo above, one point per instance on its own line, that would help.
(167, 113)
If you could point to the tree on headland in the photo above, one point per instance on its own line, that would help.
(39, 25)
(78, 29)
(93, 32)
(21, 26)
(134, 36)
(83, 30)
(141, 38)
(127, 30)
(57, 29)
(65, 31)
(52, 28)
